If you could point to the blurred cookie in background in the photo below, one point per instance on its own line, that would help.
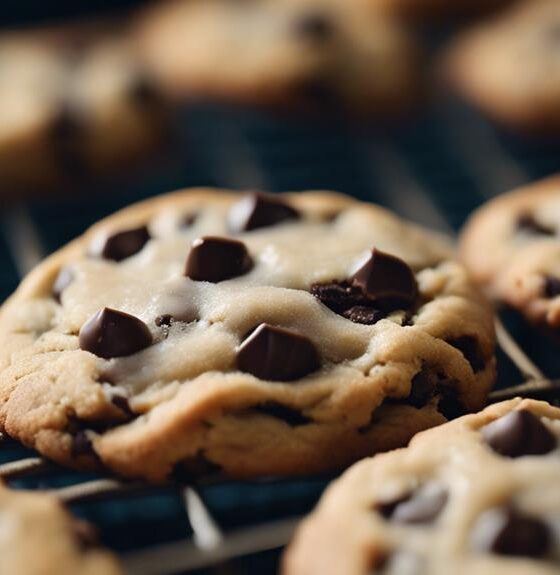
(310, 55)
(510, 66)
(74, 104)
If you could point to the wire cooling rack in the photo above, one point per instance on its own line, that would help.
(434, 169)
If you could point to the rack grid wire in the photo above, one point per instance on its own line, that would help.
(433, 170)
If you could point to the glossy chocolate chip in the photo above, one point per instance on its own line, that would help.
(338, 296)
(64, 278)
(214, 259)
(527, 223)
(292, 417)
(277, 354)
(111, 333)
(387, 281)
(423, 506)
(551, 286)
(122, 245)
(315, 27)
(259, 210)
(363, 314)
(469, 346)
(508, 532)
(519, 433)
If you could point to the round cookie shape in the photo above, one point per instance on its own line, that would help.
(450, 502)
(511, 246)
(311, 55)
(74, 102)
(509, 66)
(39, 537)
(342, 332)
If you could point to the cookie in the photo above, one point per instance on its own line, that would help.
(478, 495)
(509, 67)
(312, 55)
(249, 334)
(39, 537)
(73, 103)
(511, 246)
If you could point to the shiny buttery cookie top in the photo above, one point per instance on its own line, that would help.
(305, 54)
(253, 332)
(39, 537)
(511, 246)
(477, 495)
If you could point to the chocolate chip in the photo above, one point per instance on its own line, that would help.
(469, 346)
(64, 278)
(277, 354)
(315, 27)
(122, 245)
(338, 296)
(111, 333)
(387, 281)
(164, 320)
(214, 259)
(551, 286)
(423, 506)
(508, 532)
(422, 389)
(363, 314)
(259, 210)
(527, 223)
(122, 403)
(519, 433)
(81, 445)
(449, 404)
(286, 414)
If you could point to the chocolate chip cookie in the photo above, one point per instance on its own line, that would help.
(311, 55)
(249, 334)
(478, 495)
(39, 537)
(510, 66)
(74, 102)
(512, 247)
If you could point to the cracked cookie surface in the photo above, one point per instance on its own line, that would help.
(480, 494)
(253, 334)
(511, 246)
(39, 537)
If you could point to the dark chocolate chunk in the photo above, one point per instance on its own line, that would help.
(423, 506)
(449, 404)
(315, 27)
(527, 223)
(508, 532)
(387, 281)
(551, 286)
(338, 296)
(290, 416)
(363, 314)
(81, 445)
(519, 433)
(123, 244)
(422, 389)
(258, 210)
(277, 354)
(111, 333)
(164, 320)
(469, 346)
(64, 278)
(214, 259)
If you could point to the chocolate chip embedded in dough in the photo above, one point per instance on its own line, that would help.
(386, 280)
(527, 222)
(64, 278)
(509, 532)
(338, 296)
(214, 259)
(122, 245)
(81, 445)
(551, 286)
(363, 314)
(277, 354)
(519, 433)
(469, 346)
(258, 210)
(111, 333)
